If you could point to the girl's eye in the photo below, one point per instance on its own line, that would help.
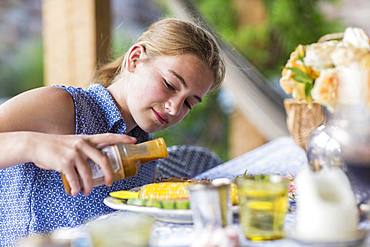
(168, 85)
(188, 105)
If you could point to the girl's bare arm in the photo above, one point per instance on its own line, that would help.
(38, 126)
(44, 110)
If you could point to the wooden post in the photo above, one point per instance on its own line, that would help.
(77, 38)
(250, 12)
(243, 135)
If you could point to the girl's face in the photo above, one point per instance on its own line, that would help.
(161, 91)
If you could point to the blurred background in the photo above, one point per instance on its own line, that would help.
(63, 41)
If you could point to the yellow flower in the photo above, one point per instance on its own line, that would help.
(288, 81)
(313, 71)
(299, 92)
(325, 90)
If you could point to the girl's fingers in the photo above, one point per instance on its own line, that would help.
(98, 158)
(73, 180)
(78, 173)
(110, 139)
(84, 173)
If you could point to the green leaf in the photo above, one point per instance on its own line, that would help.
(297, 71)
(300, 76)
(300, 58)
(305, 80)
(308, 88)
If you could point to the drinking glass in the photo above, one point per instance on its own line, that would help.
(121, 229)
(263, 202)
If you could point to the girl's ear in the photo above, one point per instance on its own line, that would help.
(135, 55)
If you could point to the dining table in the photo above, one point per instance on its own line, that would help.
(280, 156)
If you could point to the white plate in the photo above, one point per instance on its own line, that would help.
(167, 215)
(357, 239)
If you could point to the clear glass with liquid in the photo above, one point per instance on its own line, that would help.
(263, 202)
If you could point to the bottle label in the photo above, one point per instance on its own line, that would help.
(112, 153)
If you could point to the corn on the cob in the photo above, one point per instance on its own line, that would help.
(174, 191)
(234, 194)
(165, 191)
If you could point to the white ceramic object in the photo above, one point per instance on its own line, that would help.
(326, 207)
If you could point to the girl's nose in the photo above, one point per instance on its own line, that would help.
(173, 106)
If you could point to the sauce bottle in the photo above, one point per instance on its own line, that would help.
(125, 160)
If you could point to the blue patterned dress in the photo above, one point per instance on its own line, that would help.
(33, 199)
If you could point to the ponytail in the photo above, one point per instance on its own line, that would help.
(105, 74)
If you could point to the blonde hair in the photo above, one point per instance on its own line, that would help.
(171, 37)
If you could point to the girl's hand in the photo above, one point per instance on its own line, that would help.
(69, 154)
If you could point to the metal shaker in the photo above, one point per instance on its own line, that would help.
(211, 204)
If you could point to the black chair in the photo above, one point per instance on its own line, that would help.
(186, 161)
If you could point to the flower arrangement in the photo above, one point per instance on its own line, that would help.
(314, 72)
